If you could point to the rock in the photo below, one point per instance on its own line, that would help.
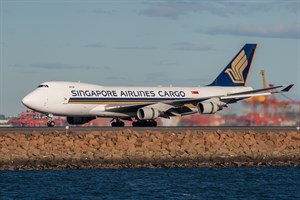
(94, 143)
(121, 139)
(295, 135)
(33, 143)
(33, 153)
(24, 144)
(11, 136)
(90, 136)
(48, 146)
(109, 144)
(269, 144)
(222, 137)
(35, 134)
(96, 133)
(127, 146)
(147, 145)
(5, 157)
(20, 138)
(40, 141)
(247, 136)
(69, 143)
(139, 143)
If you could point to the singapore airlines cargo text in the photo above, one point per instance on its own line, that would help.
(126, 93)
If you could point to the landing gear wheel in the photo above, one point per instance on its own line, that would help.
(154, 123)
(144, 123)
(135, 124)
(50, 123)
(118, 123)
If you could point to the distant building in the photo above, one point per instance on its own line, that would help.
(2, 117)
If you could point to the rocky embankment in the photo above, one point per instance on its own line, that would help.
(149, 148)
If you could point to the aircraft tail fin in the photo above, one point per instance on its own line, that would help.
(236, 72)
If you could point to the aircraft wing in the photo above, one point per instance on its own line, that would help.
(236, 96)
(187, 106)
(167, 108)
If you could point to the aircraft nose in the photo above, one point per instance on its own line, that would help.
(27, 100)
(32, 101)
(35, 101)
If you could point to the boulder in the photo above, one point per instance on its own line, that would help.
(129, 145)
(35, 134)
(69, 144)
(94, 143)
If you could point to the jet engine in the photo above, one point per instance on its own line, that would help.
(79, 120)
(208, 107)
(147, 113)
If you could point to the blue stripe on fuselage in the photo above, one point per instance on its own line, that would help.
(122, 99)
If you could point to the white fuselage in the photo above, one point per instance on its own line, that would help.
(82, 99)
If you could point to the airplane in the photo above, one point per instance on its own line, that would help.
(83, 102)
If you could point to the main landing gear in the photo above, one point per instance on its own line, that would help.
(144, 123)
(117, 123)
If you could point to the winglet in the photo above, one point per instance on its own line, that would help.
(286, 89)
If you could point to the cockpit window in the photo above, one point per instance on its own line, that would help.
(42, 86)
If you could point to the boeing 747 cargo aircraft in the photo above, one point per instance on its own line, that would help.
(83, 102)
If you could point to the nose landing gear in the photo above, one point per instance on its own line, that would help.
(50, 122)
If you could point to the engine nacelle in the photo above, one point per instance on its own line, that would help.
(79, 120)
(147, 113)
(207, 107)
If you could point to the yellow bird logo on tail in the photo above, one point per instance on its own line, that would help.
(237, 67)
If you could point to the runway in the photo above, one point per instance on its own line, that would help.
(75, 129)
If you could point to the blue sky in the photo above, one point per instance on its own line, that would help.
(142, 43)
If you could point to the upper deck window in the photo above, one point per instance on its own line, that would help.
(42, 86)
